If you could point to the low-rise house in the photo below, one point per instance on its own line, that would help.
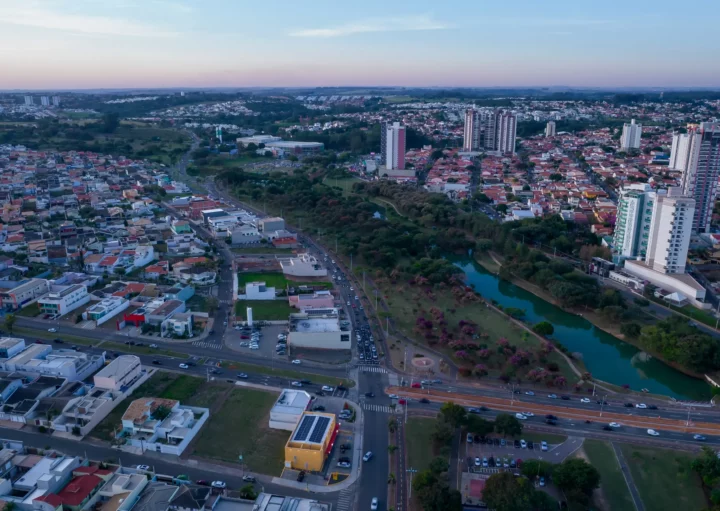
(259, 291)
(16, 295)
(63, 299)
(316, 300)
(121, 373)
(179, 325)
(304, 265)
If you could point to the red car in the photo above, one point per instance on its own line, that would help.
(416, 386)
(244, 337)
(402, 401)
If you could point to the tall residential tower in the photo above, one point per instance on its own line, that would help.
(632, 224)
(631, 136)
(395, 146)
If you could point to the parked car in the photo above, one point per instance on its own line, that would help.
(301, 476)
(202, 482)
(543, 445)
(156, 362)
(374, 504)
(249, 479)
(652, 432)
(469, 438)
(143, 467)
(218, 484)
(296, 362)
(529, 393)
(296, 384)
(344, 464)
(699, 438)
(551, 422)
(328, 388)
(241, 376)
(416, 385)
(53, 330)
(642, 406)
(520, 416)
(523, 444)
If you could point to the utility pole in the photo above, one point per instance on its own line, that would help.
(336, 244)
(351, 263)
(602, 403)
(363, 280)
(412, 472)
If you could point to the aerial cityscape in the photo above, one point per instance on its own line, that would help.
(339, 257)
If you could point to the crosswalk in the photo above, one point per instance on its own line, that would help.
(377, 408)
(345, 499)
(373, 369)
(209, 345)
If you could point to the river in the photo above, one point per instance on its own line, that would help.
(606, 357)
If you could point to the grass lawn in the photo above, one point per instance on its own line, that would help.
(287, 373)
(345, 184)
(265, 309)
(664, 478)
(30, 311)
(197, 303)
(613, 488)
(269, 249)
(271, 279)
(418, 442)
(241, 427)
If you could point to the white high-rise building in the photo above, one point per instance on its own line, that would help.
(395, 146)
(45, 100)
(471, 132)
(506, 131)
(697, 154)
(670, 232)
(28, 100)
(56, 100)
(632, 222)
(550, 129)
(631, 136)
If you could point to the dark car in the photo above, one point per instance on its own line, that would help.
(601, 402)
(530, 445)
(551, 422)
(517, 444)
(484, 409)
(211, 332)
(59, 341)
(551, 417)
(628, 405)
(341, 387)
(305, 382)
(565, 398)
(607, 428)
(202, 482)
(496, 441)
(344, 459)
(301, 476)
(369, 394)
(319, 393)
(652, 407)
(156, 362)
(489, 441)
(516, 392)
(319, 408)
(424, 400)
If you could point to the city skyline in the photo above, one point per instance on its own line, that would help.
(57, 44)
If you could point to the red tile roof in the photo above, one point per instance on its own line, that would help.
(77, 490)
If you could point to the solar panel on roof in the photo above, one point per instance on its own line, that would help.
(319, 430)
(302, 432)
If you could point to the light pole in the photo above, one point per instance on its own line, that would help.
(687, 422)
(512, 394)
(602, 403)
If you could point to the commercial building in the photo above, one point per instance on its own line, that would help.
(270, 224)
(11, 346)
(119, 374)
(633, 219)
(284, 148)
(631, 135)
(697, 154)
(268, 502)
(304, 265)
(179, 325)
(311, 442)
(105, 310)
(316, 300)
(289, 407)
(245, 234)
(550, 129)
(22, 293)
(63, 299)
(395, 146)
(40, 359)
(163, 312)
(318, 329)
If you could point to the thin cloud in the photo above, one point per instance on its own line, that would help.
(412, 23)
(79, 24)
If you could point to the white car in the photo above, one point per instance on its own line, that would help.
(348, 304)
(641, 406)
(652, 432)
(585, 400)
(552, 396)
(153, 345)
(143, 467)
(218, 484)
(528, 414)
(520, 416)
(374, 504)
(393, 396)
(529, 393)
(254, 347)
(328, 388)
(614, 424)
(523, 444)
(296, 362)
(184, 366)
(543, 445)
(52, 330)
(368, 456)
(296, 384)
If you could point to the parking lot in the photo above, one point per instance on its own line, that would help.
(481, 454)
(239, 340)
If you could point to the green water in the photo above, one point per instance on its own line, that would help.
(606, 357)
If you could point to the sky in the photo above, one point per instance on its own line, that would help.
(76, 44)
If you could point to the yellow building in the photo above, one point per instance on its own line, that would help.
(311, 442)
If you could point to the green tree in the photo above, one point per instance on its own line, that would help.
(443, 433)
(479, 426)
(508, 425)
(248, 492)
(439, 497)
(110, 122)
(438, 465)
(534, 468)
(10, 322)
(505, 492)
(544, 328)
(576, 474)
(453, 414)
(632, 330)
(707, 465)
(161, 413)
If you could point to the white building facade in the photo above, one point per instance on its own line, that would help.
(670, 233)
(631, 135)
(395, 150)
(632, 224)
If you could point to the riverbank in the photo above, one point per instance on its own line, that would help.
(593, 317)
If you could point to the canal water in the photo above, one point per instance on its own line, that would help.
(606, 357)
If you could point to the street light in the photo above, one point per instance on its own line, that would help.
(602, 403)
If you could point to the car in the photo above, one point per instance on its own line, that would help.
(241, 376)
(437, 382)
(341, 388)
(254, 347)
(530, 445)
(565, 398)
(607, 428)
(473, 410)
(652, 407)
(296, 384)
(344, 464)
(629, 405)
(484, 409)
(529, 393)
(602, 402)
(477, 462)
(542, 481)
(551, 417)
(551, 422)
(402, 401)
(369, 394)
(296, 362)
(543, 446)
(585, 400)
(218, 484)
(485, 462)
(503, 443)
(512, 463)
(491, 462)
(319, 408)
(489, 441)
(143, 467)
(249, 479)
(469, 438)
(652, 432)
(211, 332)
(517, 444)
(301, 476)
(202, 482)
(528, 414)
(699, 438)
(156, 362)
(59, 341)
(523, 444)
(328, 388)
(393, 396)
(244, 337)
(416, 385)
(496, 441)
(506, 463)
(520, 416)
(368, 456)
(642, 406)
(53, 330)
(305, 381)
(184, 366)
(424, 400)
(552, 396)
(614, 424)
(374, 504)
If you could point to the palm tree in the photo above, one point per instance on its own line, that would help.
(391, 478)
(392, 425)
(10, 321)
(392, 448)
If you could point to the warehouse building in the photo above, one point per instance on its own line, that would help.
(311, 442)
(288, 409)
